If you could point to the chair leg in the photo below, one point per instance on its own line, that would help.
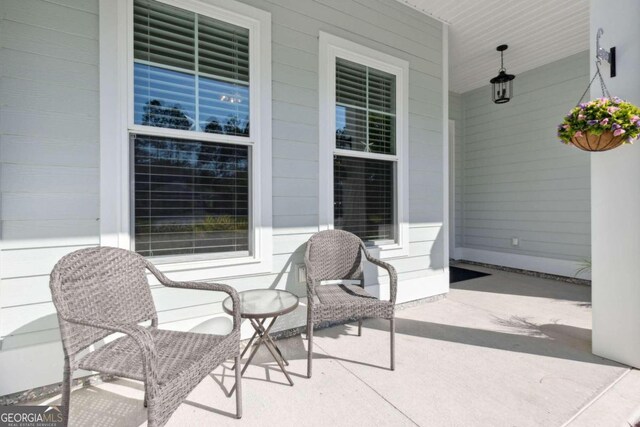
(310, 348)
(238, 389)
(392, 330)
(66, 391)
(360, 327)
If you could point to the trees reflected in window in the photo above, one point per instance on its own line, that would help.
(166, 98)
(191, 197)
(363, 197)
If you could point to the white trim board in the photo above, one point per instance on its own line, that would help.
(447, 226)
(559, 267)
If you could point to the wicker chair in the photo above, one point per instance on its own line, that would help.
(337, 255)
(100, 291)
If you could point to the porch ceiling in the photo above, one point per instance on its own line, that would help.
(537, 32)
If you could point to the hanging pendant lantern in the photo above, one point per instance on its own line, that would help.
(502, 84)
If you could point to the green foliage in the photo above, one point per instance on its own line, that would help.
(208, 224)
(222, 223)
(599, 116)
(376, 219)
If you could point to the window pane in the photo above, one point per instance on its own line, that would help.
(351, 83)
(351, 128)
(223, 49)
(163, 98)
(163, 34)
(382, 133)
(364, 197)
(224, 107)
(178, 56)
(191, 197)
(382, 91)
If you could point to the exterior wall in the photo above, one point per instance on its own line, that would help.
(615, 200)
(50, 157)
(519, 180)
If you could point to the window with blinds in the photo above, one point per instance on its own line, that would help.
(191, 72)
(364, 182)
(191, 192)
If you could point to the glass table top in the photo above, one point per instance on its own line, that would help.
(261, 303)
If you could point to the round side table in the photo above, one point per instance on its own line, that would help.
(258, 305)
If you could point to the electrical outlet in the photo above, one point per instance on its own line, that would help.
(515, 241)
(302, 273)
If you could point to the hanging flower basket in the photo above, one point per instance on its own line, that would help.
(588, 141)
(601, 125)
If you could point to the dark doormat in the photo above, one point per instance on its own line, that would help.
(457, 274)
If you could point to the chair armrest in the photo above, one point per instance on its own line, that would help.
(393, 276)
(311, 281)
(143, 339)
(219, 287)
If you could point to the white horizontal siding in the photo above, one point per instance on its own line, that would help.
(48, 163)
(518, 179)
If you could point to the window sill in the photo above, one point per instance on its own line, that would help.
(193, 269)
(389, 251)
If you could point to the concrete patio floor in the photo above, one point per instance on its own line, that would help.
(500, 350)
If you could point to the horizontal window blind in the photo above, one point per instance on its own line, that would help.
(191, 197)
(365, 108)
(363, 196)
(223, 49)
(191, 72)
(163, 34)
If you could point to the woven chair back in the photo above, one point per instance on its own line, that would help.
(100, 284)
(335, 255)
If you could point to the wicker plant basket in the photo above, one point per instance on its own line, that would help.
(591, 142)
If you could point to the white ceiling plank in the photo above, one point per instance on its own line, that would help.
(537, 32)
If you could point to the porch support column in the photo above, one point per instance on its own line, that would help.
(615, 196)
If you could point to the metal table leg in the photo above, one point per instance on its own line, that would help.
(273, 349)
(273, 344)
(255, 334)
(262, 334)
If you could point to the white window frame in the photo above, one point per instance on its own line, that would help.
(332, 47)
(116, 125)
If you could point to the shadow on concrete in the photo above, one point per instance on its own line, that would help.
(93, 406)
(558, 290)
(549, 340)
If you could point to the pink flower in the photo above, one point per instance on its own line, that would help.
(566, 127)
(578, 134)
(618, 132)
(634, 119)
(604, 121)
(612, 110)
(581, 116)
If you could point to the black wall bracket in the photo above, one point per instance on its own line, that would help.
(606, 55)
